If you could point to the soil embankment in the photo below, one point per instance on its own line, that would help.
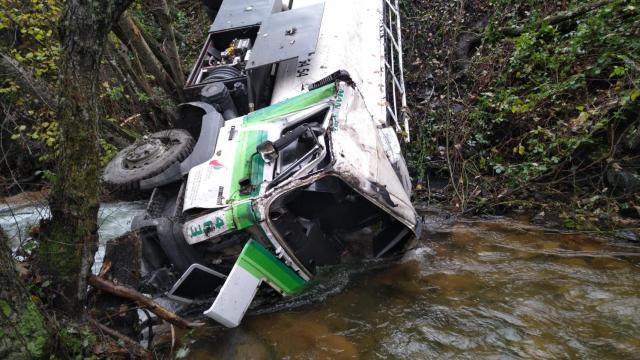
(529, 107)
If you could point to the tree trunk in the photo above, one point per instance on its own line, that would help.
(66, 253)
(121, 265)
(154, 46)
(137, 76)
(128, 85)
(158, 51)
(23, 332)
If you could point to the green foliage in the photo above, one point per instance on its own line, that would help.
(549, 70)
(45, 132)
(27, 330)
(33, 328)
(50, 176)
(107, 153)
(34, 44)
(113, 92)
(6, 308)
(77, 342)
(544, 110)
(28, 246)
(32, 40)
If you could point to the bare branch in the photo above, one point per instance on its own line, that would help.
(131, 294)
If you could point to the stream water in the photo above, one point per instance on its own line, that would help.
(490, 288)
(494, 289)
(114, 219)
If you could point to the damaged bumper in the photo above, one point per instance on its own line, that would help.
(254, 266)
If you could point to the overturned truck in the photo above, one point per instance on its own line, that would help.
(287, 161)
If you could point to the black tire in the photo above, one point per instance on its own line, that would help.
(146, 158)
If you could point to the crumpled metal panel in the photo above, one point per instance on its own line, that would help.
(287, 35)
(361, 160)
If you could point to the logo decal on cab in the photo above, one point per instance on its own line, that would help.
(216, 164)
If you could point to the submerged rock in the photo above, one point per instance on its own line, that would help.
(539, 218)
(627, 235)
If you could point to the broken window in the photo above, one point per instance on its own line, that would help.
(327, 222)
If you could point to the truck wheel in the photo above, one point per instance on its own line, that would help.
(146, 158)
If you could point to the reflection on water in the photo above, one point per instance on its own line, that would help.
(478, 289)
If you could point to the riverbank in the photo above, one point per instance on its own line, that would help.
(526, 108)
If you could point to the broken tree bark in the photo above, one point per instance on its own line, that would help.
(114, 134)
(128, 293)
(122, 265)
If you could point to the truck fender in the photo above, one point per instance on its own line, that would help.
(203, 122)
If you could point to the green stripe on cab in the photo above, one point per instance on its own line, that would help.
(262, 264)
(290, 105)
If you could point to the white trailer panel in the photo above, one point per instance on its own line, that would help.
(350, 39)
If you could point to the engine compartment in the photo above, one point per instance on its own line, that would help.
(223, 59)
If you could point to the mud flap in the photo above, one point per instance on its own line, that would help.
(254, 265)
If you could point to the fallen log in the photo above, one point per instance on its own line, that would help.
(131, 35)
(131, 294)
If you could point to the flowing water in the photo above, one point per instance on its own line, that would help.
(491, 288)
(473, 289)
(114, 219)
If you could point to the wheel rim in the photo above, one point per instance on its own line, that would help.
(144, 153)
